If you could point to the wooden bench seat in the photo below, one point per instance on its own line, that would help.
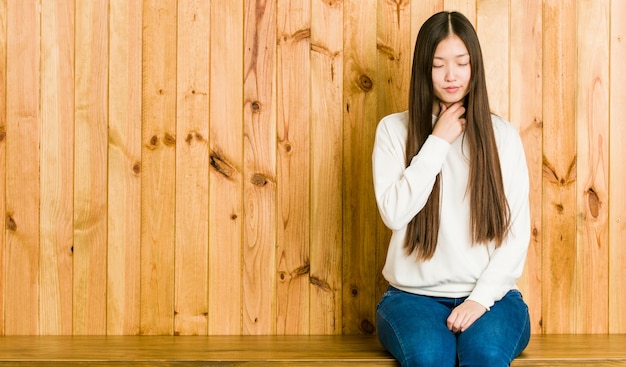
(544, 350)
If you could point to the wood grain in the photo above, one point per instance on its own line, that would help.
(329, 350)
(293, 118)
(526, 114)
(395, 55)
(226, 161)
(57, 190)
(326, 165)
(124, 170)
(492, 26)
(209, 162)
(559, 167)
(90, 168)
(22, 252)
(592, 117)
(3, 156)
(359, 226)
(158, 177)
(192, 169)
(259, 147)
(617, 173)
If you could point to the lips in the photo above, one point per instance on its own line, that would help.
(452, 89)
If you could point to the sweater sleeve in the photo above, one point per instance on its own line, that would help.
(507, 262)
(401, 192)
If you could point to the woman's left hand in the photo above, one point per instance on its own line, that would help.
(464, 315)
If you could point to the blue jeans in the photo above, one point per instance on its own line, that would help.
(413, 329)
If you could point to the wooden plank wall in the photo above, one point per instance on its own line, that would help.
(199, 167)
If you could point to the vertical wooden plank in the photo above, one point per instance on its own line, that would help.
(90, 168)
(527, 115)
(22, 167)
(158, 167)
(3, 156)
(395, 54)
(259, 234)
(467, 7)
(192, 169)
(394, 62)
(592, 116)
(617, 173)
(492, 26)
(124, 187)
(360, 212)
(559, 166)
(293, 180)
(226, 160)
(420, 12)
(57, 164)
(326, 165)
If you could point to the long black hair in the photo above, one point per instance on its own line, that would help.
(489, 210)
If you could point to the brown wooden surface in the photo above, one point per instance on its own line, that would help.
(226, 161)
(526, 113)
(293, 167)
(57, 150)
(114, 223)
(3, 156)
(543, 350)
(592, 116)
(158, 168)
(22, 195)
(259, 168)
(360, 92)
(90, 164)
(559, 167)
(192, 173)
(326, 166)
(124, 189)
(617, 206)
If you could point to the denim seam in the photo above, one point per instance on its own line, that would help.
(526, 321)
(400, 342)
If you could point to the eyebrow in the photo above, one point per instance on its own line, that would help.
(457, 56)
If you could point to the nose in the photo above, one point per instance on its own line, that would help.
(450, 75)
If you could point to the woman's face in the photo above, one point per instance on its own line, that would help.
(451, 71)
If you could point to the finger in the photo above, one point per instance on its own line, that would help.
(442, 108)
(455, 322)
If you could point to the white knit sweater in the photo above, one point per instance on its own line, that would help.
(458, 268)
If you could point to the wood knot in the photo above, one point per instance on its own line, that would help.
(320, 283)
(10, 224)
(258, 180)
(354, 292)
(169, 140)
(137, 168)
(153, 143)
(221, 165)
(301, 270)
(194, 135)
(365, 83)
(256, 106)
(594, 202)
(367, 327)
(3, 134)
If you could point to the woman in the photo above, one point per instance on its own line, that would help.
(451, 183)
